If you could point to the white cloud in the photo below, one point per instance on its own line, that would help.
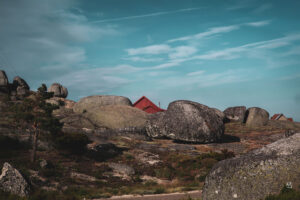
(142, 59)
(203, 79)
(146, 15)
(259, 23)
(45, 34)
(210, 32)
(182, 52)
(152, 50)
(290, 77)
(196, 73)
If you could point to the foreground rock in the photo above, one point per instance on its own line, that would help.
(256, 174)
(88, 104)
(235, 114)
(256, 117)
(186, 121)
(12, 181)
(58, 90)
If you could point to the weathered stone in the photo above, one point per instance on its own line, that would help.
(20, 88)
(256, 117)
(58, 90)
(235, 114)
(117, 117)
(256, 174)
(4, 84)
(59, 101)
(12, 181)
(121, 170)
(82, 177)
(186, 121)
(219, 113)
(88, 104)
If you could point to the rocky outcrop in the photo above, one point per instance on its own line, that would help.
(117, 117)
(59, 101)
(4, 85)
(256, 174)
(186, 121)
(256, 117)
(12, 181)
(88, 104)
(235, 114)
(20, 88)
(58, 90)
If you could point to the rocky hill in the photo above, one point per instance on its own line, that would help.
(101, 146)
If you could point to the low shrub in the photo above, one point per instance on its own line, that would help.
(73, 142)
(285, 194)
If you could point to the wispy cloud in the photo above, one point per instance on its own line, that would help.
(146, 15)
(153, 49)
(196, 73)
(210, 32)
(142, 59)
(259, 23)
(290, 77)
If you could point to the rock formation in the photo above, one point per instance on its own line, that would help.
(58, 90)
(20, 88)
(117, 117)
(12, 181)
(186, 121)
(256, 117)
(4, 85)
(256, 174)
(94, 102)
(236, 113)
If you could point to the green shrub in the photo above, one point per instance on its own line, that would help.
(73, 142)
(285, 194)
(8, 196)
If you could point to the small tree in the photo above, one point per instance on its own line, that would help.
(38, 114)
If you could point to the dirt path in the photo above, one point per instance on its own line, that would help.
(172, 196)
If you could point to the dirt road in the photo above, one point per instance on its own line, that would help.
(172, 196)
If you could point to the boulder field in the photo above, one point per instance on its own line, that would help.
(256, 174)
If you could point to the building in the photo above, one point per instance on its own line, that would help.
(146, 105)
(281, 117)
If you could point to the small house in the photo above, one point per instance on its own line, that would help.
(281, 117)
(146, 105)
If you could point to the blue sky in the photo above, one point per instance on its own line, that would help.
(218, 53)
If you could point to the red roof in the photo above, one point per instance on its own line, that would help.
(290, 119)
(146, 105)
(276, 116)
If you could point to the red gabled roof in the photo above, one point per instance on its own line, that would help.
(276, 116)
(290, 119)
(146, 105)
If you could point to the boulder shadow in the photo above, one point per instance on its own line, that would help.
(229, 139)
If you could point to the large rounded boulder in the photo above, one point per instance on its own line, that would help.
(235, 114)
(117, 117)
(58, 90)
(94, 102)
(4, 84)
(256, 117)
(186, 121)
(256, 174)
